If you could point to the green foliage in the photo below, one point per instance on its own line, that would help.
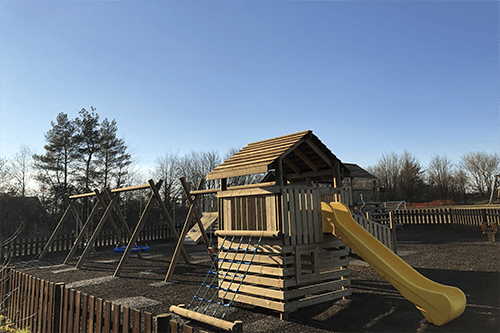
(81, 154)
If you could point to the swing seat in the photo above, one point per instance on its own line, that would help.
(134, 249)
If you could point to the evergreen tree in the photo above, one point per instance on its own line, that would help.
(54, 169)
(87, 143)
(112, 156)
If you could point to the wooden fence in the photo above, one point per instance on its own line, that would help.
(458, 216)
(47, 307)
(44, 306)
(32, 246)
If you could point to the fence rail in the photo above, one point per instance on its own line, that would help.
(45, 307)
(458, 216)
(32, 246)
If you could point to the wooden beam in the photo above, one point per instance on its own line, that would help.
(248, 233)
(136, 233)
(94, 235)
(240, 171)
(123, 189)
(197, 217)
(320, 173)
(167, 217)
(233, 188)
(75, 214)
(319, 152)
(279, 172)
(119, 213)
(111, 221)
(81, 234)
(292, 165)
(54, 233)
(236, 326)
(180, 243)
(306, 159)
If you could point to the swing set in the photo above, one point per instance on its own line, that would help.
(108, 199)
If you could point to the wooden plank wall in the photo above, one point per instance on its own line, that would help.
(285, 278)
(459, 216)
(46, 307)
(301, 207)
(253, 209)
(34, 245)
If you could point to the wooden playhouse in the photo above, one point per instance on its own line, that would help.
(297, 265)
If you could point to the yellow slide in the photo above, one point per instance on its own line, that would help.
(437, 302)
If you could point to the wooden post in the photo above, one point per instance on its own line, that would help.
(180, 243)
(57, 309)
(136, 233)
(94, 235)
(393, 232)
(75, 214)
(167, 217)
(119, 213)
(111, 221)
(54, 233)
(197, 217)
(121, 218)
(82, 233)
(163, 323)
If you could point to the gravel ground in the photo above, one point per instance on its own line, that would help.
(461, 257)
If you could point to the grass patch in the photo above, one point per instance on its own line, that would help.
(6, 327)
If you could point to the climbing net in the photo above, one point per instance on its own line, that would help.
(222, 278)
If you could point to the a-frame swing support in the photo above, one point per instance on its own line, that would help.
(154, 195)
(107, 216)
(192, 212)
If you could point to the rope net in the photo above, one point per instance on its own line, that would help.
(224, 276)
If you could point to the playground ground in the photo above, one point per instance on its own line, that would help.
(459, 256)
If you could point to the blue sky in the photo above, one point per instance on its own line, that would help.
(366, 77)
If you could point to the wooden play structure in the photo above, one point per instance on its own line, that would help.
(107, 201)
(284, 261)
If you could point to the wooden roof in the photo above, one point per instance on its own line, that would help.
(301, 155)
(358, 172)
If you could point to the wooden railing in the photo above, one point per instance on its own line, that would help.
(458, 216)
(383, 232)
(32, 246)
(43, 306)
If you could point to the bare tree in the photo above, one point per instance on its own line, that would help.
(196, 165)
(388, 170)
(410, 180)
(22, 166)
(481, 167)
(5, 176)
(460, 183)
(167, 168)
(440, 176)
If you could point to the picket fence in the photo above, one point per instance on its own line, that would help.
(455, 216)
(20, 247)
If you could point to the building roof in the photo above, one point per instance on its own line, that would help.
(358, 172)
(301, 155)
